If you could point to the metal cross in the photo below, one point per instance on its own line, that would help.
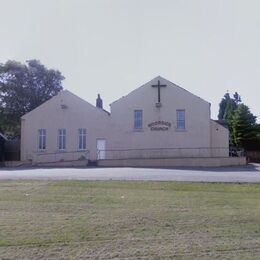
(159, 86)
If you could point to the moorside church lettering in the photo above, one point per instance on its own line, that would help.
(159, 126)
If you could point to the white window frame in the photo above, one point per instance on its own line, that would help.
(82, 138)
(62, 139)
(138, 119)
(41, 139)
(180, 119)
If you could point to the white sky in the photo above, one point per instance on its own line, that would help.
(114, 46)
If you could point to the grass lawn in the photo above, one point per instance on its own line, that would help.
(138, 220)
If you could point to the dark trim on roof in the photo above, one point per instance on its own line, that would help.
(223, 123)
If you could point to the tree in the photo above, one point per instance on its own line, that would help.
(228, 106)
(222, 106)
(237, 98)
(23, 87)
(243, 126)
(244, 132)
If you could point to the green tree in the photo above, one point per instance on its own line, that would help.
(243, 126)
(23, 87)
(228, 106)
(222, 106)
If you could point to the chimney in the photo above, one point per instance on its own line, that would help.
(99, 102)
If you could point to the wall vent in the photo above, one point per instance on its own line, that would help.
(63, 106)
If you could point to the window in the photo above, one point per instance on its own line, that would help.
(42, 139)
(180, 119)
(62, 139)
(138, 119)
(82, 138)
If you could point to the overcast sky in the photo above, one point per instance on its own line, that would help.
(112, 47)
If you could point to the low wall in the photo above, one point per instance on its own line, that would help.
(59, 157)
(150, 153)
(77, 163)
(17, 164)
(174, 162)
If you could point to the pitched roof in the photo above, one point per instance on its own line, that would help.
(65, 92)
(159, 78)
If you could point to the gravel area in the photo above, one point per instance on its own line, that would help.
(249, 173)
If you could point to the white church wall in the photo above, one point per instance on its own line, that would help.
(67, 111)
(64, 111)
(197, 113)
(219, 140)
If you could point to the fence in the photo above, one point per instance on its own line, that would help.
(60, 156)
(12, 150)
(166, 153)
(253, 156)
(2, 150)
(65, 156)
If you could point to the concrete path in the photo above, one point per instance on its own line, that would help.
(250, 173)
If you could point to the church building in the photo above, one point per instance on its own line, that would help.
(155, 122)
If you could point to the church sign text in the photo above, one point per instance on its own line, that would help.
(159, 126)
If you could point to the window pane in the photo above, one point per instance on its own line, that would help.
(42, 139)
(60, 147)
(80, 142)
(180, 119)
(84, 142)
(39, 142)
(181, 115)
(82, 138)
(138, 119)
(61, 139)
(44, 142)
(64, 142)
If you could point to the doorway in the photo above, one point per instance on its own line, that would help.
(101, 149)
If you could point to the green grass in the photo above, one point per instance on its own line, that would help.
(138, 220)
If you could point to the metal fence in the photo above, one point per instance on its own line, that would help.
(148, 153)
(60, 156)
(166, 153)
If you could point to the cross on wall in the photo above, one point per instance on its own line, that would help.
(159, 86)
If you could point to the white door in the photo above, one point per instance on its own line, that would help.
(101, 149)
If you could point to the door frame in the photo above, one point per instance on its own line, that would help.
(103, 151)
